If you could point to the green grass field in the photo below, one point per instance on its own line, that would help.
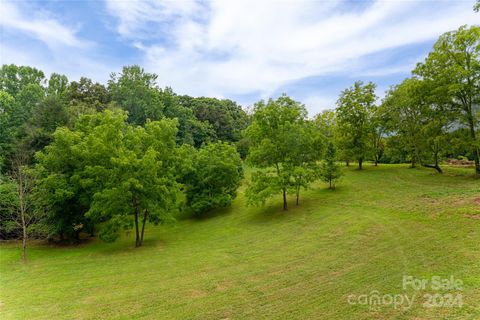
(262, 263)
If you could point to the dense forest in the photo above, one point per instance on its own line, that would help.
(80, 158)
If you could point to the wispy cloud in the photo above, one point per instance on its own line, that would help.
(40, 25)
(236, 47)
(239, 49)
(34, 36)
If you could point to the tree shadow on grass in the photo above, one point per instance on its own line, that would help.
(209, 214)
(312, 202)
(128, 247)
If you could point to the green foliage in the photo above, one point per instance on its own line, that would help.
(283, 145)
(136, 91)
(354, 114)
(85, 94)
(225, 117)
(9, 227)
(215, 176)
(452, 72)
(330, 171)
(14, 78)
(106, 170)
(57, 85)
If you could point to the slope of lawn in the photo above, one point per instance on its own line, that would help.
(262, 263)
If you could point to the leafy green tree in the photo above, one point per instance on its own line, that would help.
(330, 171)
(136, 91)
(226, 117)
(214, 178)
(57, 84)
(420, 119)
(14, 78)
(354, 116)
(453, 69)
(325, 123)
(47, 116)
(273, 135)
(377, 134)
(15, 113)
(89, 94)
(111, 173)
(476, 7)
(303, 165)
(17, 203)
(403, 117)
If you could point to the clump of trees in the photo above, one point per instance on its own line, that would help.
(440, 102)
(102, 159)
(83, 158)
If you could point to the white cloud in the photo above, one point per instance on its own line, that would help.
(42, 41)
(41, 26)
(237, 47)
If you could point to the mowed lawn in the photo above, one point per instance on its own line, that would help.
(262, 263)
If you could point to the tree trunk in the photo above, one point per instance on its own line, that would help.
(284, 199)
(137, 234)
(24, 238)
(22, 206)
(298, 194)
(360, 163)
(330, 181)
(412, 165)
(376, 160)
(347, 163)
(436, 167)
(143, 225)
(476, 152)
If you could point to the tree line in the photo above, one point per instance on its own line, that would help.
(79, 157)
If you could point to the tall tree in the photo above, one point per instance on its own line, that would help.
(354, 113)
(226, 117)
(136, 91)
(453, 67)
(402, 115)
(14, 78)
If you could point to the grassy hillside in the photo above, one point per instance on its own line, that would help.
(262, 263)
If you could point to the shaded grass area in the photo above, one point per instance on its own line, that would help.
(262, 263)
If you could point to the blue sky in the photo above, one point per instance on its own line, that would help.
(242, 50)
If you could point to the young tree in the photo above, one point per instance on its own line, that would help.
(16, 200)
(453, 68)
(276, 135)
(214, 178)
(330, 171)
(303, 165)
(377, 135)
(354, 113)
